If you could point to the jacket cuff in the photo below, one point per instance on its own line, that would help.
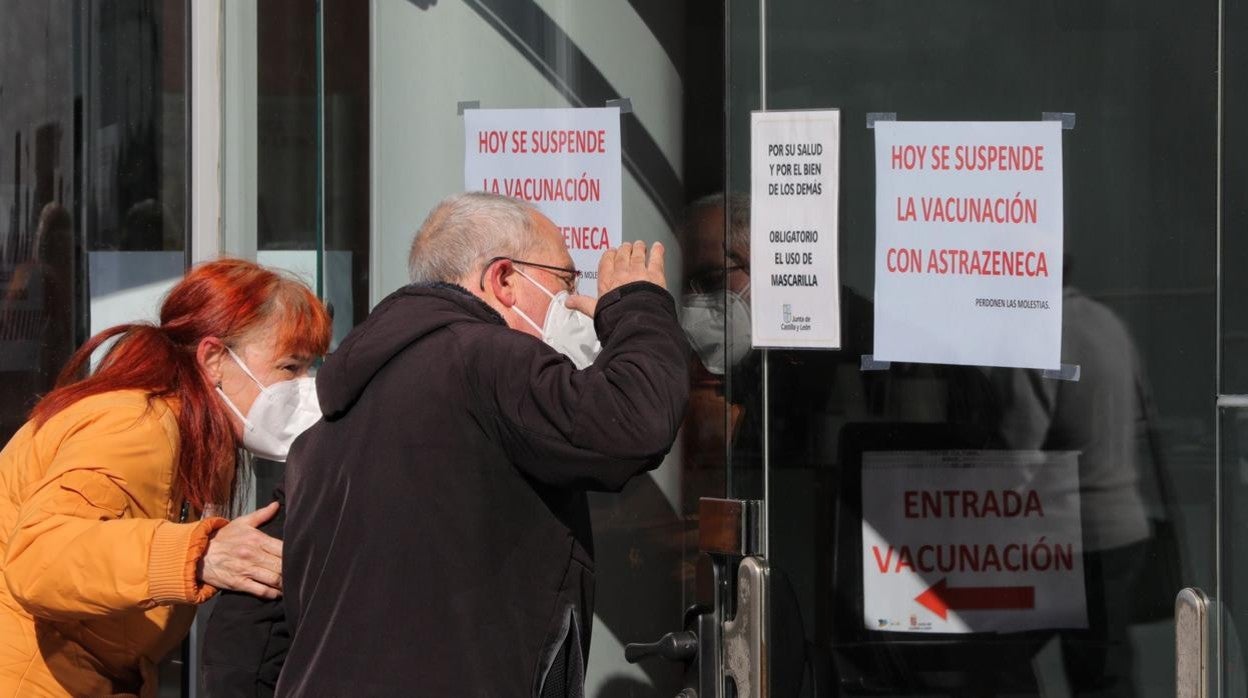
(172, 567)
(604, 325)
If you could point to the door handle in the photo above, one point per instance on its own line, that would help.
(729, 532)
(674, 647)
(1191, 644)
(697, 648)
(745, 636)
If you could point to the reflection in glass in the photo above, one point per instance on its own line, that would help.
(92, 182)
(1140, 216)
(93, 155)
(1106, 417)
(36, 318)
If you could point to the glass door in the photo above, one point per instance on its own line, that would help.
(93, 183)
(295, 155)
(1233, 363)
(870, 470)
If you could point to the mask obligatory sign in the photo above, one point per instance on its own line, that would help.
(968, 256)
(566, 162)
(794, 191)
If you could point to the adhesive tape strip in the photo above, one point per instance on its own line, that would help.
(874, 116)
(1068, 372)
(624, 103)
(870, 364)
(1066, 117)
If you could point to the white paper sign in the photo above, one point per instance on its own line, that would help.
(564, 161)
(794, 179)
(971, 541)
(968, 256)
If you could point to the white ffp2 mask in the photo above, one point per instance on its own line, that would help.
(569, 332)
(282, 411)
(718, 326)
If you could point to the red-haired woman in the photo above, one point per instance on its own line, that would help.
(102, 493)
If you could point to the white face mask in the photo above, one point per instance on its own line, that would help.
(708, 324)
(569, 332)
(281, 412)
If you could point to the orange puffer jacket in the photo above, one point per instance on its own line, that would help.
(98, 577)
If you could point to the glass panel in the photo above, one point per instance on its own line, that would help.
(296, 154)
(92, 179)
(346, 188)
(1234, 295)
(41, 266)
(296, 145)
(1234, 337)
(287, 198)
(1140, 217)
(134, 149)
(1234, 522)
(92, 184)
(743, 384)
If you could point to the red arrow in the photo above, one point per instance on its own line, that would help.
(939, 598)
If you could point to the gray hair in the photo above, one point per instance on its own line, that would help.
(465, 230)
(736, 207)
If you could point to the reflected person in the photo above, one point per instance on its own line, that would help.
(820, 389)
(37, 314)
(1103, 416)
(149, 226)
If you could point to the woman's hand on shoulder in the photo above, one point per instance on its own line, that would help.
(241, 558)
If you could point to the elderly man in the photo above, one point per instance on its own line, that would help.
(437, 534)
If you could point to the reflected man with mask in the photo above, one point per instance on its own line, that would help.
(821, 389)
(437, 534)
(715, 315)
(716, 306)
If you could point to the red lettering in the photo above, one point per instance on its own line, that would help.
(1033, 504)
(882, 563)
(991, 506)
(905, 560)
(907, 261)
(970, 504)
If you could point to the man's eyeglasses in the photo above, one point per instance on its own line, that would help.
(712, 280)
(570, 281)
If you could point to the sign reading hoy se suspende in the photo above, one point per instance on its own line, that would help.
(971, 541)
(968, 261)
(566, 162)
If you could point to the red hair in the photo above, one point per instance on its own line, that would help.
(225, 299)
